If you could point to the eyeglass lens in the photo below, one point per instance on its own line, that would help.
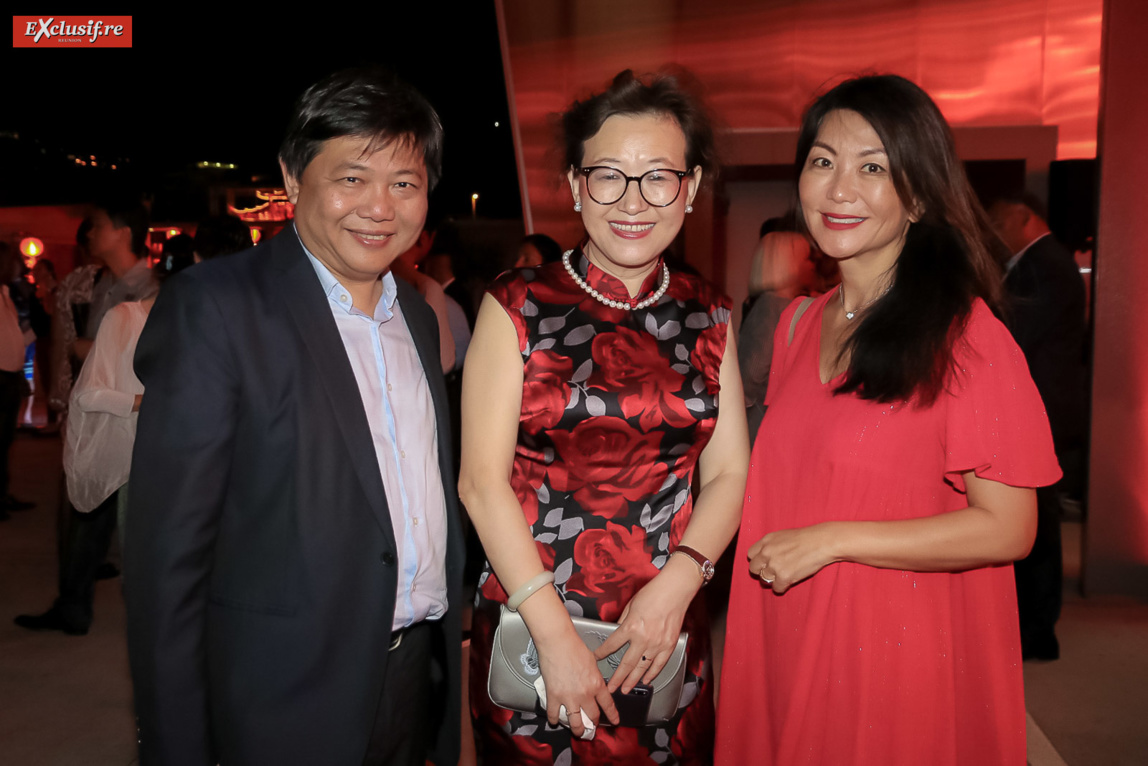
(658, 187)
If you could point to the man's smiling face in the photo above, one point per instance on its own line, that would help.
(358, 206)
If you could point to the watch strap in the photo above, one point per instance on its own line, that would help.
(704, 564)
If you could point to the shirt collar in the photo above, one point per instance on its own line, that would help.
(340, 296)
(1013, 261)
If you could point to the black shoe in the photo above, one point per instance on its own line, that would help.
(1040, 647)
(107, 571)
(12, 504)
(49, 620)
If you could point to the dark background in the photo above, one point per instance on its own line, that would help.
(215, 85)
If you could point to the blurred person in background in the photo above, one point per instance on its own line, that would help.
(13, 385)
(220, 235)
(406, 267)
(43, 318)
(106, 399)
(1045, 310)
(782, 269)
(116, 239)
(537, 249)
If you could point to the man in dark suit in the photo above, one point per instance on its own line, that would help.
(293, 556)
(1045, 313)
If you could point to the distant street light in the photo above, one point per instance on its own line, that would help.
(474, 206)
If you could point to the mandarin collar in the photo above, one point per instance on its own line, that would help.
(609, 285)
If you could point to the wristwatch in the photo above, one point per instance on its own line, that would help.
(703, 563)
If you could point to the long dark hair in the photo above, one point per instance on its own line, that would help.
(902, 348)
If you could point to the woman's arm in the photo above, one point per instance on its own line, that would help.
(652, 620)
(998, 526)
(491, 403)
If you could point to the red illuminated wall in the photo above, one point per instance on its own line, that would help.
(986, 62)
(1116, 554)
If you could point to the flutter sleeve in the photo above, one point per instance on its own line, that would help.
(995, 421)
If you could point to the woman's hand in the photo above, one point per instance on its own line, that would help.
(786, 557)
(651, 624)
(573, 679)
(491, 404)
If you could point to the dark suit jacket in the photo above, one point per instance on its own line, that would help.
(1045, 313)
(260, 571)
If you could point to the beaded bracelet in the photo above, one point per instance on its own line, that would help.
(529, 588)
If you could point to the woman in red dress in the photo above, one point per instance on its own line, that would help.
(590, 400)
(892, 481)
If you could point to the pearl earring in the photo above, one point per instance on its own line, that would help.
(577, 207)
(689, 208)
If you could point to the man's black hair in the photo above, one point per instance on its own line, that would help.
(126, 210)
(367, 102)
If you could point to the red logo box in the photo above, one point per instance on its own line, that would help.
(71, 31)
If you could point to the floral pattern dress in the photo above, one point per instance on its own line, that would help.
(616, 408)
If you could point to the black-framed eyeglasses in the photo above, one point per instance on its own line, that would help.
(659, 187)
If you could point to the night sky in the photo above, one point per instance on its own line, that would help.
(218, 87)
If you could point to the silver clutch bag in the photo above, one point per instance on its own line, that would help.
(514, 666)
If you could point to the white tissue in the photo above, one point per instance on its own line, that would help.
(588, 726)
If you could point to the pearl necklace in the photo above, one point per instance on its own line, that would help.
(613, 303)
(850, 314)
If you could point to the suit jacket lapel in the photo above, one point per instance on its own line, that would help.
(425, 336)
(303, 295)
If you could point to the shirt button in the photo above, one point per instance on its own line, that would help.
(343, 298)
(416, 522)
(388, 558)
(403, 454)
(388, 386)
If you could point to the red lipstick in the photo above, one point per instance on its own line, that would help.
(841, 222)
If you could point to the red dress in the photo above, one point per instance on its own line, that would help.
(616, 408)
(859, 665)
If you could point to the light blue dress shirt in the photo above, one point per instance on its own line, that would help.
(396, 398)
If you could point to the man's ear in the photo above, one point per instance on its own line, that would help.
(290, 183)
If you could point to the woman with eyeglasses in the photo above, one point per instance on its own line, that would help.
(590, 400)
(876, 622)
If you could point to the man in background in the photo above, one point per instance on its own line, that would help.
(1045, 312)
(116, 239)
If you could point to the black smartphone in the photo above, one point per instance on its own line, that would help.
(633, 706)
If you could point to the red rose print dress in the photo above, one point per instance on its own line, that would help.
(616, 408)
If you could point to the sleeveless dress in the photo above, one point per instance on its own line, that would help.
(616, 408)
(860, 665)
